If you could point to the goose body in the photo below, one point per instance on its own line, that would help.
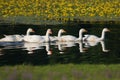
(95, 38)
(65, 38)
(50, 39)
(33, 38)
(12, 38)
(90, 38)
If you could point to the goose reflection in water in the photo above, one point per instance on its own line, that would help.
(91, 44)
(103, 46)
(63, 45)
(81, 48)
(30, 47)
(1, 52)
(11, 45)
(47, 47)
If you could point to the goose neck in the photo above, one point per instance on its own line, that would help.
(28, 32)
(47, 34)
(59, 34)
(80, 35)
(102, 35)
(47, 37)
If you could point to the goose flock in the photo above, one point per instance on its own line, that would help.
(33, 42)
(58, 38)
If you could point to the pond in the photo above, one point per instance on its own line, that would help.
(104, 52)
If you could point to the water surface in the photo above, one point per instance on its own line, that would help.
(104, 52)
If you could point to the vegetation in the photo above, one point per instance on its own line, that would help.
(60, 10)
(61, 72)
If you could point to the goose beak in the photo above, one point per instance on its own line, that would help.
(85, 31)
(64, 31)
(108, 30)
(33, 30)
(50, 32)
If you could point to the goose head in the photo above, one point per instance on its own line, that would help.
(82, 30)
(49, 31)
(106, 30)
(29, 31)
(60, 32)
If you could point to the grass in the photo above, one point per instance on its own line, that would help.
(61, 72)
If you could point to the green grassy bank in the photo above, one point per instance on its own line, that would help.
(61, 72)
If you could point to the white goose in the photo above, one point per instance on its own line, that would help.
(47, 36)
(32, 38)
(80, 38)
(36, 38)
(65, 38)
(12, 38)
(95, 38)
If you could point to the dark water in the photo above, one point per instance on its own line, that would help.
(105, 52)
